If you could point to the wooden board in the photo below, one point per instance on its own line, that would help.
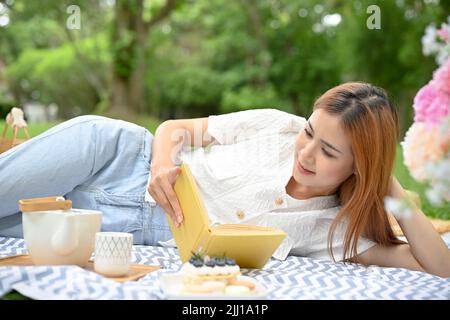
(135, 272)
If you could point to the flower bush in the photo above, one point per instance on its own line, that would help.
(426, 146)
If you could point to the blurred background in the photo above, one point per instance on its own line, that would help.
(147, 61)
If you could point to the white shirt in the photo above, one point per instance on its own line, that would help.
(242, 179)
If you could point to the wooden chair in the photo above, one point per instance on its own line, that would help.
(14, 120)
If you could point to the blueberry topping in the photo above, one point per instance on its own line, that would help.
(192, 260)
(230, 262)
(210, 263)
(220, 262)
(197, 263)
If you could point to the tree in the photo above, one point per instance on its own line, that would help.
(42, 26)
(390, 57)
(129, 43)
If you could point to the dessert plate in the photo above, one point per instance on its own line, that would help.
(172, 286)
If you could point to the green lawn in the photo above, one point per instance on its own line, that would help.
(14, 295)
(36, 128)
(401, 172)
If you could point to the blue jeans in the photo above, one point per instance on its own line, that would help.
(98, 163)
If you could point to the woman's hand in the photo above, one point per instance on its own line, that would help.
(169, 139)
(161, 189)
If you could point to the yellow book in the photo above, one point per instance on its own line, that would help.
(251, 246)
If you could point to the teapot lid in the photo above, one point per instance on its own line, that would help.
(44, 204)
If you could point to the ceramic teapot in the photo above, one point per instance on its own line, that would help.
(57, 234)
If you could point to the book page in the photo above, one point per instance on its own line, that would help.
(242, 228)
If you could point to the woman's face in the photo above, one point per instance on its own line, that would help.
(323, 148)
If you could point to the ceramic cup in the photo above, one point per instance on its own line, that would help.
(113, 253)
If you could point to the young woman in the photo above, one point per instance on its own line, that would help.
(321, 180)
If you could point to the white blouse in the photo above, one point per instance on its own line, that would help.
(242, 179)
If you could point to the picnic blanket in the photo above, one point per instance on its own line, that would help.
(294, 278)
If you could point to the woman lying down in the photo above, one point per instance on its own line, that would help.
(322, 180)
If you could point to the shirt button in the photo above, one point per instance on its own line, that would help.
(279, 201)
(240, 214)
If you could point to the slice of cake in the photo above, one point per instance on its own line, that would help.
(204, 274)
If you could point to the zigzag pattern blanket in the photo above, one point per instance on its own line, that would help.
(294, 278)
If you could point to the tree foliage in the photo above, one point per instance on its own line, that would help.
(214, 56)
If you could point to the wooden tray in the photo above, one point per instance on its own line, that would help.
(135, 272)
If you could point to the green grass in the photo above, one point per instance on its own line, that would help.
(14, 295)
(36, 128)
(148, 122)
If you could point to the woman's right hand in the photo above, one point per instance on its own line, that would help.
(161, 189)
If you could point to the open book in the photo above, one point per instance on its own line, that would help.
(251, 246)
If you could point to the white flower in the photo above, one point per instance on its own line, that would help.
(439, 180)
(434, 196)
(429, 41)
(443, 55)
(400, 209)
(433, 44)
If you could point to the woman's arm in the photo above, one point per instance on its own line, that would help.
(171, 135)
(425, 251)
(169, 138)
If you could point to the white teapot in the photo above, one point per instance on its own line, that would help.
(56, 234)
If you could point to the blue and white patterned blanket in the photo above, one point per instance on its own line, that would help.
(294, 278)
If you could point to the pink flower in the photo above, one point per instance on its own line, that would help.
(441, 78)
(443, 34)
(432, 102)
(422, 101)
(425, 143)
(439, 108)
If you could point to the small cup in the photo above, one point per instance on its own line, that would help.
(112, 253)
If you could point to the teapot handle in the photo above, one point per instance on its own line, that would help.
(44, 204)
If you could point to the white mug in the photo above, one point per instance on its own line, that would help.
(113, 253)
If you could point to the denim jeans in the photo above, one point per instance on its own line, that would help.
(98, 163)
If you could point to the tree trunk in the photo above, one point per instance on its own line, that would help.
(124, 47)
(261, 55)
(129, 43)
(296, 107)
(137, 79)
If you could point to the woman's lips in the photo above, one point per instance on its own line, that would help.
(303, 170)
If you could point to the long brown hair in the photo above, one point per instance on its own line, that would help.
(371, 122)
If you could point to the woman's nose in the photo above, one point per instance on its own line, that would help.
(307, 153)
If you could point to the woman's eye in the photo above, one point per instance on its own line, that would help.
(308, 134)
(327, 154)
